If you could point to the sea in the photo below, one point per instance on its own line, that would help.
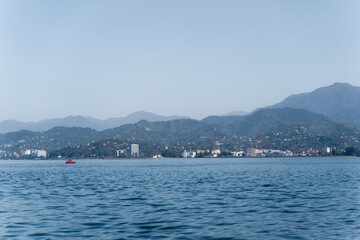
(268, 198)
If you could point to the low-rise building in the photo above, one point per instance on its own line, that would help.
(327, 150)
(118, 153)
(237, 154)
(251, 152)
(279, 153)
(187, 154)
(215, 152)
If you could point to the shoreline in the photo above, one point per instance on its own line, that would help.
(148, 158)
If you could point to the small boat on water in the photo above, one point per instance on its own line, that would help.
(70, 162)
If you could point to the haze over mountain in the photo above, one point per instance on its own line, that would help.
(85, 122)
(340, 102)
(236, 113)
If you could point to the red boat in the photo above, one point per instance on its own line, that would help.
(70, 162)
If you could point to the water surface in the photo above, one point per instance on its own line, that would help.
(299, 198)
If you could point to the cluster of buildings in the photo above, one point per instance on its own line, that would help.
(8, 155)
(200, 153)
(34, 153)
(134, 151)
(250, 152)
(254, 152)
(28, 153)
(305, 152)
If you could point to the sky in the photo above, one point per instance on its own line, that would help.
(191, 57)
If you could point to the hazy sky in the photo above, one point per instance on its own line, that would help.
(193, 58)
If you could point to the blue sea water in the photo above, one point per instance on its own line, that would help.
(298, 198)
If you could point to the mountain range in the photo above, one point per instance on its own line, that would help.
(327, 116)
(340, 102)
(281, 128)
(81, 121)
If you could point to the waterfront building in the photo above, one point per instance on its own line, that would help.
(34, 153)
(327, 150)
(187, 154)
(135, 152)
(279, 153)
(27, 152)
(238, 154)
(40, 153)
(118, 153)
(251, 152)
(215, 152)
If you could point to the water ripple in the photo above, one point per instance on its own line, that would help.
(181, 199)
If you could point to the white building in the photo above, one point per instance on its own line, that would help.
(40, 153)
(35, 153)
(119, 152)
(187, 154)
(27, 152)
(215, 151)
(135, 150)
(238, 154)
(278, 153)
(327, 150)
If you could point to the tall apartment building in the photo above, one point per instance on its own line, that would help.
(135, 150)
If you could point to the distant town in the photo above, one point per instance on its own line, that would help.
(134, 151)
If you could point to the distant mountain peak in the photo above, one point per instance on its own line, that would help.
(139, 114)
(337, 86)
(236, 113)
(342, 84)
(339, 101)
